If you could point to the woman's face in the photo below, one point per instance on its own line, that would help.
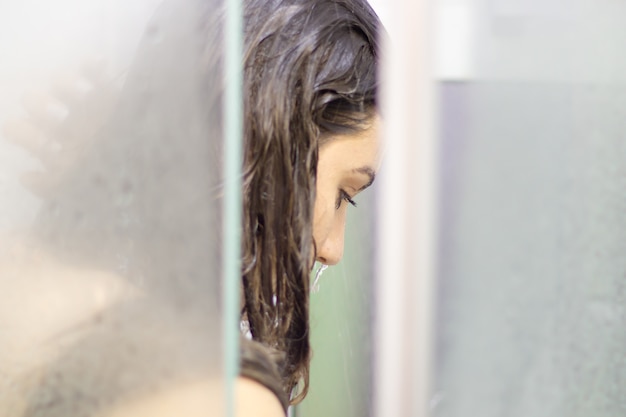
(347, 164)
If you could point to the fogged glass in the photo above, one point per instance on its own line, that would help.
(533, 215)
(110, 196)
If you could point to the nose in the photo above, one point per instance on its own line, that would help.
(330, 249)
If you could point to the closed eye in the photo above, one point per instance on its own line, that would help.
(344, 196)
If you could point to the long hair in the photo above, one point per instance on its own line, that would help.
(309, 72)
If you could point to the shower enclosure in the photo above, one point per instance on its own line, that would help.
(484, 273)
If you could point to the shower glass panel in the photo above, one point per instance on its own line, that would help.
(531, 265)
(111, 208)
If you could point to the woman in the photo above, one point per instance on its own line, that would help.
(310, 146)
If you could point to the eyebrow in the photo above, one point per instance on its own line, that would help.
(366, 171)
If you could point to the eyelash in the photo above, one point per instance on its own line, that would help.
(343, 196)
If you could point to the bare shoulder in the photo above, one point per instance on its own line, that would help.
(254, 400)
(201, 399)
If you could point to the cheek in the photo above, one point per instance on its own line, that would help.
(323, 211)
(320, 216)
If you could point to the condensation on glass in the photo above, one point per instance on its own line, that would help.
(110, 219)
(533, 215)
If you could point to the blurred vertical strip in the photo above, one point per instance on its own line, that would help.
(407, 219)
(232, 193)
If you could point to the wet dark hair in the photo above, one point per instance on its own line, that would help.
(309, 72)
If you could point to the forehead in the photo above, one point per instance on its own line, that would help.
(360, 148)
